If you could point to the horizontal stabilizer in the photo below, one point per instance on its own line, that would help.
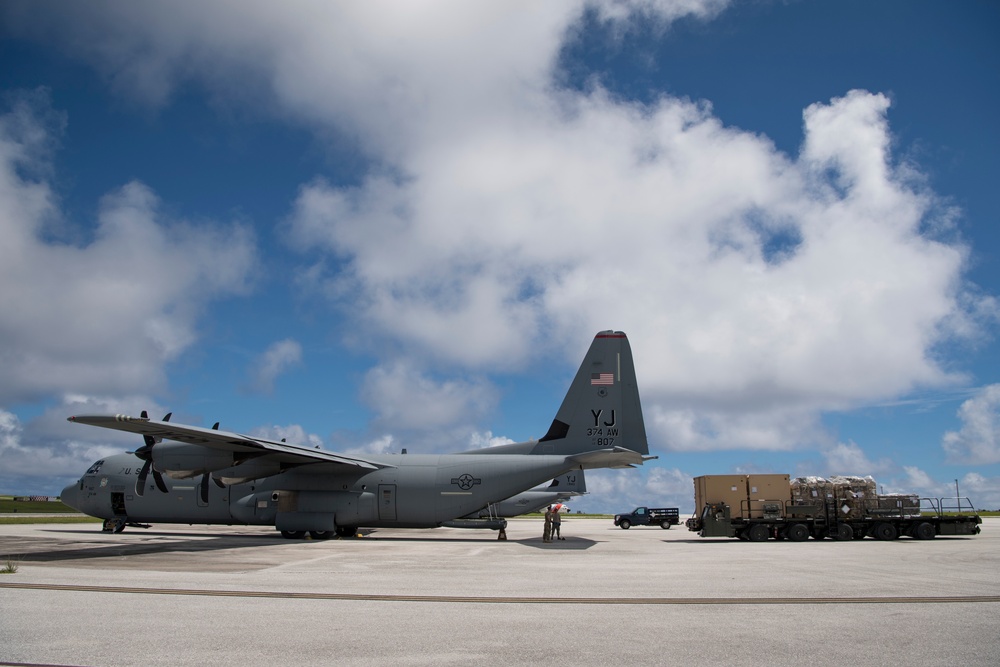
(610, 458)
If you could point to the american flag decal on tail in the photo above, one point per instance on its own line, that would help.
(602, 378)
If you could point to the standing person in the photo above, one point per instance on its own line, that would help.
(547, 531)
(557, 523)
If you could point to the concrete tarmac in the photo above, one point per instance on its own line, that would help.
(197, 595)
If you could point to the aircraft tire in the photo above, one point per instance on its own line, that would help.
(293, 534)
(347, 531)
(321, 534)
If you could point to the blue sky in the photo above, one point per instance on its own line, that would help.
(379, 226)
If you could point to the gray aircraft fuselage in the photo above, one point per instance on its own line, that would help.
(417, 491)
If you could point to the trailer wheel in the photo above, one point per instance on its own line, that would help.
(625, 524)
(665, 524)
(843, 532)
(758, 533)
(798, 532)
(884, 531)
(924, 531)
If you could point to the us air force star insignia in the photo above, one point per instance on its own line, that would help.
(466, 481)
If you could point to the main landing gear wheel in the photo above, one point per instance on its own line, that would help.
(321, 534)
(293, 534)
(347, 531)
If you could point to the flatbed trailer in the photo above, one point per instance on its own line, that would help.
(800, 522)
(762, 507)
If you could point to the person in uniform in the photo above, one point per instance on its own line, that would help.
(557, 523)
(547, 530)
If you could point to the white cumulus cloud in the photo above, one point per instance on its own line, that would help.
(508, 217)
(102, 311)
(978, 440)
(277, 359)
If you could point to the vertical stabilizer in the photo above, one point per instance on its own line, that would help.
(601, 413)
(601, 409)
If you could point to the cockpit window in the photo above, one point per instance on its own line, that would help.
(92, 470)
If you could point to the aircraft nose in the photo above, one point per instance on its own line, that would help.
(71, 496)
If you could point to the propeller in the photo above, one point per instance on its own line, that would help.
(146, 454)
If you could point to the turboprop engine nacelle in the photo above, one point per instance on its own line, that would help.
(246, 472)
(182, 461)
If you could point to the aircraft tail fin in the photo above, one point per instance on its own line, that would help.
(570, 484)
(599, 423)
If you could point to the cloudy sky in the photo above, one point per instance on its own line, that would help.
(378, 225)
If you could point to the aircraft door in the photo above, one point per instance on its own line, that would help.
(118, 504)
(387, 502)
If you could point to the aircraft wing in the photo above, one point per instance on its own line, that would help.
(222, 440)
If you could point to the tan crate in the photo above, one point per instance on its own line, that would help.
(725, 489)
(764, 492)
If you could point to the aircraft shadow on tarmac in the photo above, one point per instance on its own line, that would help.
(40, 550)
(152, 543)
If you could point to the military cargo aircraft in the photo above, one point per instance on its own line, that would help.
(190, 474)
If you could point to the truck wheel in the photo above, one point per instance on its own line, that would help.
(924, 531)
(665, 525)
(884, 531)
(625, 524)
(842, 532)
(798, 532)
(758, 533)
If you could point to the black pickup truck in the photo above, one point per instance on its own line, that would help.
(664, 517)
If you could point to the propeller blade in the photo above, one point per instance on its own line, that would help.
(204, 488)
(160, 484)
(140, 483)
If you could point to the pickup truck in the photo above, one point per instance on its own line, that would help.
(664, 517)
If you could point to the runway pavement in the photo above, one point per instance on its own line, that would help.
(183, 595)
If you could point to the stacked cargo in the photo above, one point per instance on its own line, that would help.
(898, 504)
(845, 496)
